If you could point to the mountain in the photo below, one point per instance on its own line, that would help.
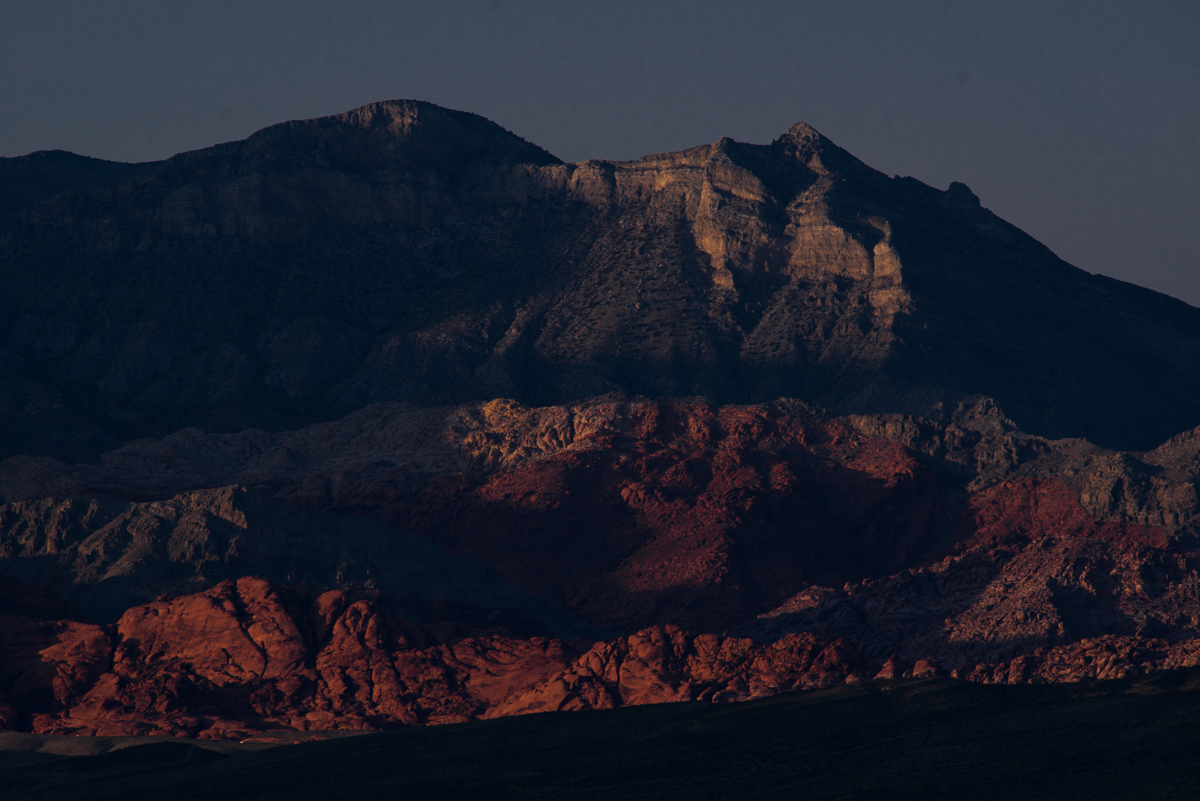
(391, 418)
(406, 252)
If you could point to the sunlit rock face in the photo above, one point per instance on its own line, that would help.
(245, 656)
(392, 418)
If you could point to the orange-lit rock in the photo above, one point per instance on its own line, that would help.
(47, 663)
(1031, 569)
(247, 657)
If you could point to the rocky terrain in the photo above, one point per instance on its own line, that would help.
(392, 418)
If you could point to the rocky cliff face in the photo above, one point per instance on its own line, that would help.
(392, 418)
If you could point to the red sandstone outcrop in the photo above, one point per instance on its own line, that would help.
(1107, 657)
(245, 657)
(47, 663)
(634, 514)
(1031, 568)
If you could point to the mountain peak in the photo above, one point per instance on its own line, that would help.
(426, 124)
(818, 151)
(400, 116)
(802, 131)
(959, 194)
(414, 131)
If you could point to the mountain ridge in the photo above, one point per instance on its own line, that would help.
(742, 272)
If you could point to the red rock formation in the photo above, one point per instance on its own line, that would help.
(1028, 510)
(1032, 570)
(639, 515)
(246, 657)
(47, 663)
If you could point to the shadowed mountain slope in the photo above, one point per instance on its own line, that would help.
(26, 180)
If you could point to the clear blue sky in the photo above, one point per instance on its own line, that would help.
(1077, 121)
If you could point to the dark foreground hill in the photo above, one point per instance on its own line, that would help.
(902, 740)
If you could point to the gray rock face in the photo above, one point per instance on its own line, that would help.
(406, 252)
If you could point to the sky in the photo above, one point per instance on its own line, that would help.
(1079, 122)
